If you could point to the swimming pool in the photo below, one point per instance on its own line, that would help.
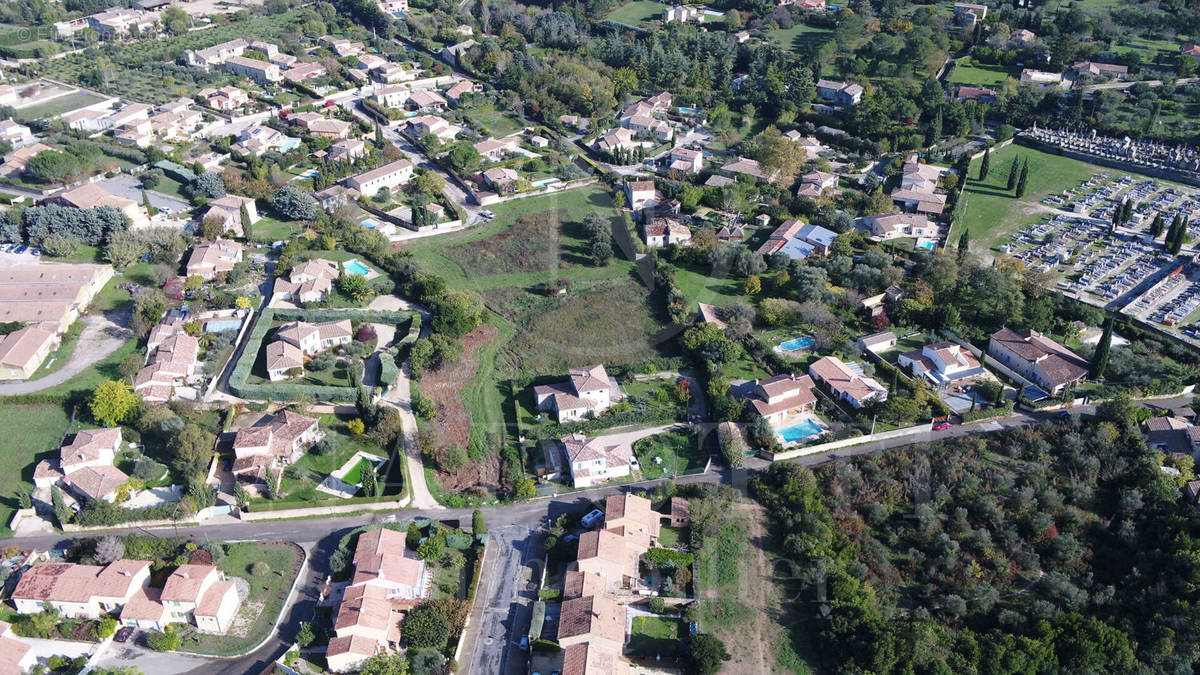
(927, 245)
(799, 432)
(689, 111)
(796, 344)
(367, 223)
(355, 267)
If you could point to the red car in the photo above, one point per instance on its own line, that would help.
(941, 425)
(124, 634)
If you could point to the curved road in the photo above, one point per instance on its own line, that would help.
(101, 335)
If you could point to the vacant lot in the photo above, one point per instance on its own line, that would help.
(802, 38)
(608, 321)
(34, 431)
(60, 105)
(532, 243)
(669, 455)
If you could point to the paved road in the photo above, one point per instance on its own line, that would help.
(501, 621)
(101, 335)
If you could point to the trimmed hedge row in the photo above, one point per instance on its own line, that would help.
(987, 413)
(239, 380)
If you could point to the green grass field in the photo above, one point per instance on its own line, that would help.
(637, 13)
(699, 287)
(993, 213)
(979, 75)
(801, 38)
(60, 105)
(41, 426)
(497, 122)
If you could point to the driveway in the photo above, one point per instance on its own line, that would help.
(631, 437)
(102, 335)
(127, 186)
(165, 663)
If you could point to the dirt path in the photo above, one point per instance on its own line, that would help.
(753, 656)
(101, 336)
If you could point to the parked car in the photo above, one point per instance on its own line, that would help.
(941, 425)
(592, 519)
(124, 634)
(524, 643)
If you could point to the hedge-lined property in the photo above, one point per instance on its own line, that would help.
(284, 391)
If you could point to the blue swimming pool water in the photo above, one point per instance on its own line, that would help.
(796, 344)
(799, 432)
(367, 223)
(355, 267)
(689, 111)
(927, 245)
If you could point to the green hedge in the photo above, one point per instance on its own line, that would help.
(239, 380)
(987, 413)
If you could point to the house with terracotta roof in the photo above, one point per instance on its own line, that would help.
(346, 150)
(278, 440)
(609, 556)
(17, 161)
(840, 93)
(460, 89)
(877, 342)
(815, 183)
(50, 294)
(591, 461)
(23, 351)
(316, 124)
(797, 240)
(616, 139)
(80, 591)
(171, 363)
(587, 391)
(941, 363)
(885, 226)
(91, 195)
(633, 517)
(741, 166)
(1037, 358)
(967, 14)
(309, 281)
(495, 149)
(597, 620)
(847, 381)
(229, 210)
(225, 98)
(978, 94)
(16, 656)
(424, 125)
(781, 397)
(85, 466)
(640, 194)
(388, 580)
(1094, 69)
(1022, 36)
(209, 259)
(297, 340)
(685, 160)
(659, 232)
(192, 593)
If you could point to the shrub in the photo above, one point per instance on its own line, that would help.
(260, 569)
(163, 641)
(356, 426)
(325, 446)
(658, 605)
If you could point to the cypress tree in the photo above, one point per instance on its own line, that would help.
(378, 135)
(246, 224)
(964, 243)
(1021, 182)
(1100, 358)
(1156, 227)
(1012, 173)
(986, 165)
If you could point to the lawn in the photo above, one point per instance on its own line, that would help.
(59, 105)
(700, 287)
(669, 537)
(980, 75)
(41, 426)
(801, 38)
(268, 230)
(993, 213)
(261, 608)
(496, 122)
(86, 380)
(637, 13)
(355, 474)
(59, 357)
(313, 467)
(653, 636)
(669, 454)
(171, 187)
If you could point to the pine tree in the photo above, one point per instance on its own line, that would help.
(1100, 357)
(1156, 227)
(1012, 173)
(986, 165)
(1023, 180)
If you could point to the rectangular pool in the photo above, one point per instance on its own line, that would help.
(799, 432)
(355, 267)
(796, 344)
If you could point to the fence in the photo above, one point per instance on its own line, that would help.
(846, 442)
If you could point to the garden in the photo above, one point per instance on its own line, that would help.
(656, 636)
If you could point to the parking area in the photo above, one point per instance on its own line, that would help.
(129, 187)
